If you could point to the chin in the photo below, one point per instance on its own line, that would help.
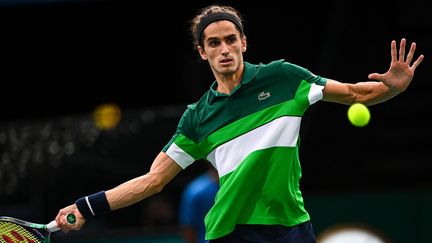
(228, 69)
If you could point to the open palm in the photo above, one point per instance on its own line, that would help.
(401, 72)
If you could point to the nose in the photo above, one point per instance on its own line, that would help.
(224, 49)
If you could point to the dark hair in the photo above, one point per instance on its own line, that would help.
(210, 14)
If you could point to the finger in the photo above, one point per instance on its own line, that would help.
(59, 217)
(65, 226)
(411, 53)
(393, 51)
(402, 50)
(417, 62)
(62, 220)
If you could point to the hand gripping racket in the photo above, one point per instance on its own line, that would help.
(16, 230)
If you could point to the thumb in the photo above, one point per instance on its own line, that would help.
(374, 76)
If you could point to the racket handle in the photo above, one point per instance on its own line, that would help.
(52, 226)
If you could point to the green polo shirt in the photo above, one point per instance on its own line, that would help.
(251, 137)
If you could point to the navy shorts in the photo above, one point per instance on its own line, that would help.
(302, 233)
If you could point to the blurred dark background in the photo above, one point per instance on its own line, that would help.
(60, 60)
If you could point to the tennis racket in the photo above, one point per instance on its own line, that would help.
(16, 230)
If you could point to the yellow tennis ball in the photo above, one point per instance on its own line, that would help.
(359, 115)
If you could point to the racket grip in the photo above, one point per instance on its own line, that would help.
(52, 226)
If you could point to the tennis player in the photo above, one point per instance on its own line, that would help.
(247, 125)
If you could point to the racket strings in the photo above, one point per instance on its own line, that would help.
(11, 233)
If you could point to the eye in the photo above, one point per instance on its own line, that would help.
(213, 42)
(232, 39)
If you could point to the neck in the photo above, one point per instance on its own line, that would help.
(227, 83)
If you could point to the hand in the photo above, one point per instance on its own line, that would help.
(61, 219)
(401, 72)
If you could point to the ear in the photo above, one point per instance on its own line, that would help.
(202, 53)
(244, 44)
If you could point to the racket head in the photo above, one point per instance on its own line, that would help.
(17, 230)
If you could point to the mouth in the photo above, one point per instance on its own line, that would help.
(226, 61)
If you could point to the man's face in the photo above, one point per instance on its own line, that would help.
(223, 47)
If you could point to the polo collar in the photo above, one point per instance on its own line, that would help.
(249, 73)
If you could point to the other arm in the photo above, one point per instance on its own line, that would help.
(162, 171)
(382, 87)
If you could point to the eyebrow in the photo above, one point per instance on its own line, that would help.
(217, 38)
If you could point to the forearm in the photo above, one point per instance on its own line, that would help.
(161, 172)
(133, 191)
(368, 92)
(371, 92)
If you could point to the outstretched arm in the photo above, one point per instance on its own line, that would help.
(381, 87)
(161, 172)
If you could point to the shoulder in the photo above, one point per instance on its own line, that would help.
(300, 72)
(269, 66)
(193, 108)
(282, 67)
(280, 70)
